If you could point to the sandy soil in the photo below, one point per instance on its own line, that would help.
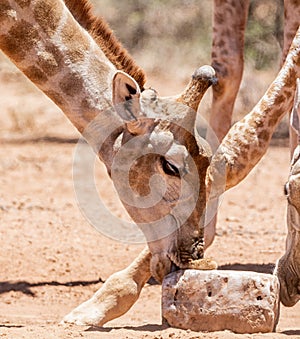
(52, 259)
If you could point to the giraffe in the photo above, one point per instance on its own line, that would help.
(229, 23)
(47, 44)
(288, 266)
(243, 146)
(43, 39)
(86, 73)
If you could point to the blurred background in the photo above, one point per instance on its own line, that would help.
(169, 39)
(177, 34)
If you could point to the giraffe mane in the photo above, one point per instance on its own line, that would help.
(82, 10)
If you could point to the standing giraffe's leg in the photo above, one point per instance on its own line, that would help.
(230, 17)
(291, 24)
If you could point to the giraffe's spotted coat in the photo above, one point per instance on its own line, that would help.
(71, 84)
(48, 15)
(74, 41)
(37, 75)
(20, 38)
(230, 18)
(50, 59)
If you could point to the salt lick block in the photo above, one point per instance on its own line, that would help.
(240, 301)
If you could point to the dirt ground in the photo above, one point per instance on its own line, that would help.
(52, 259)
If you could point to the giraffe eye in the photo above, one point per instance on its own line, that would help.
(169, 168)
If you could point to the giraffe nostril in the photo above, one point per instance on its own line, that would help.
(286, 189)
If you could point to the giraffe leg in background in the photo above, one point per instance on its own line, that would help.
(230, 17)
(291, 24)
(229, 24)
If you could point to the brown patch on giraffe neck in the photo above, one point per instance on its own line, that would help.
(56, 97)
(50, 60)
(71, 84)
(19, 40)
(48, 14)
(88, 107)
(291, 78)
(264, 136)
(5, 7)
(36, 75)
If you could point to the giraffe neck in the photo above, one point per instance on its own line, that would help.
(45, 42)
(248, 140)
(82, 10)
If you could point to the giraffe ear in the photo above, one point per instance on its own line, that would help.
(126, 96)
(295, 115)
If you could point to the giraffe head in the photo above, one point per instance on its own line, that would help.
(160, 169)
(77, 69)
(288, 266)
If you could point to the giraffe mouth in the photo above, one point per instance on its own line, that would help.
(163, 264)
(198, 264)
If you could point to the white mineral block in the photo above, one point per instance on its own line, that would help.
(240, 301)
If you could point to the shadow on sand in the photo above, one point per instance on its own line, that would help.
(25, 286)
(259, 268)
(148, 328)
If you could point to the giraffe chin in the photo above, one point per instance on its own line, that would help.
(160, 266)
(163, 264)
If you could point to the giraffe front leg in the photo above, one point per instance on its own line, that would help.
(120, 291)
